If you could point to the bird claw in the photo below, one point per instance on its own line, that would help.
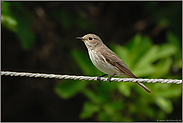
(98, 78)
(109, 79)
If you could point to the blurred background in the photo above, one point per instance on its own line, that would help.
(40, 37)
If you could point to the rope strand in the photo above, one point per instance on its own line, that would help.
(54, 76)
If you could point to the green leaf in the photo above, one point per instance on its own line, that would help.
(150, 112)
(133, 47)
(144, 71)
(164, 104)
(24, 33)
(172, 91)
(146, 44)
(166, 50)
(9, 22)
(173, 39)
(124, 88)
(144, 65)
(5, 8)
(102, 116)
(167, 90)
(108, 109)
(117, 105)
(23, 27)
(69, 88)
(93, 96)
(134, 42)
(88, 110)
(149, 57)
(162, 68)
(179, 63)
(112, 110)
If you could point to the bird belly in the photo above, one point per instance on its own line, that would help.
(100, 62)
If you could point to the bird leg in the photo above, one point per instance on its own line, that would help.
(98, 78)
(109, 79)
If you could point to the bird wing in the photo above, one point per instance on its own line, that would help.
(113, 59)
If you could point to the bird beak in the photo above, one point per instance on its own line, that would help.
(79, 38)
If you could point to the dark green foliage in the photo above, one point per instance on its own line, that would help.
(145, 35)
(16, 18)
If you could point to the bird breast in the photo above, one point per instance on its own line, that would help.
(100, 62)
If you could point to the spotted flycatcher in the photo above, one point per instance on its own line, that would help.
(106, 60)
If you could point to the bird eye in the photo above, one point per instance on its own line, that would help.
(90, 38)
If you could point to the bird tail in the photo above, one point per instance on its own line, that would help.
(144, 87)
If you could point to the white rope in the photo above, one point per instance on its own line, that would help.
(40, 75)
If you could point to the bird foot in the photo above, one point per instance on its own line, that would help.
(98, 78)
(109, 79)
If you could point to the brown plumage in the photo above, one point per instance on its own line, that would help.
(106, 60)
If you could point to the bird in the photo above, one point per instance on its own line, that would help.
(106, 60)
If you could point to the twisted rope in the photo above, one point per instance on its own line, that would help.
(40, 75)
